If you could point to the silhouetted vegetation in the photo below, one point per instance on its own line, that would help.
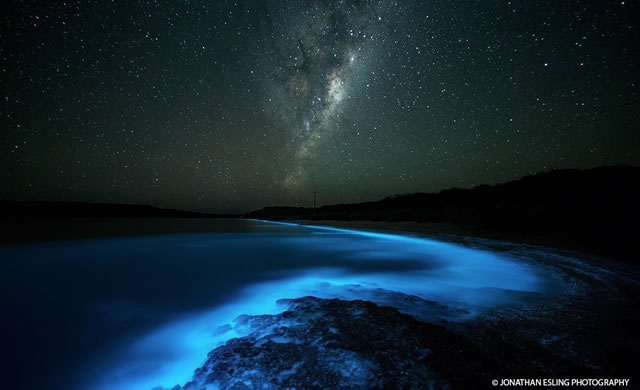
(595, 210)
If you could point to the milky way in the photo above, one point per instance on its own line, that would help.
(234, 105)
(319, 48)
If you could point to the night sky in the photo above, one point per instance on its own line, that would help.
(230, 106)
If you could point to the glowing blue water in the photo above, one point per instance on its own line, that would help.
(429, 269)
(176, 296)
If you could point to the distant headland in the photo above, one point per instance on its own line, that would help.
(49, 209)
(597, 210)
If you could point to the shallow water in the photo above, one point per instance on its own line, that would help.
(142, 312)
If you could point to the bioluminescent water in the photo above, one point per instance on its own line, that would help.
(139, 313)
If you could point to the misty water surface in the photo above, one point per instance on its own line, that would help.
(138, 312)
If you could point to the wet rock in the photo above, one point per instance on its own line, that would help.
(331, 343)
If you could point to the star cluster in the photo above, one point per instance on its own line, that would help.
(234, 105)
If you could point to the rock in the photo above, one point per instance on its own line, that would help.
(331, 343)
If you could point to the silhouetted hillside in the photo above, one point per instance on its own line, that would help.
(44, 209)
(595, 209)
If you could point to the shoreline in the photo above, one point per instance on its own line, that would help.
(455, 233)
(30, 230)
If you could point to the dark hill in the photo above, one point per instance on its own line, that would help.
(595, 209)
(45, 209)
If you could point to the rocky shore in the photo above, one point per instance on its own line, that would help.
(583, 326)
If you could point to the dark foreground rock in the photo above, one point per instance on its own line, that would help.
(322, 344)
